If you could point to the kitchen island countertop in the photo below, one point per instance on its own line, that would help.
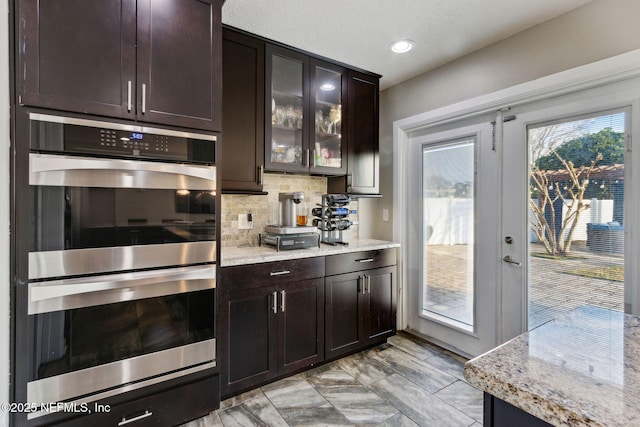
(231, 256)
(582, 369)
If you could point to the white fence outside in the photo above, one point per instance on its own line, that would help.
(599, 212)
(450, 220)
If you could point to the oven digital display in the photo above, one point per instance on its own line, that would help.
(136, 136)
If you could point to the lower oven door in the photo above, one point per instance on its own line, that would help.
(100, 336)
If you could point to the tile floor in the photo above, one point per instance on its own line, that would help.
(405, 382)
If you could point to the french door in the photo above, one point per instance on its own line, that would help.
(569, 203)
(452, 293)
(520, 216)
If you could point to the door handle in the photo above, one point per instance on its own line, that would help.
(510, 260)
(366, 282)
(76, 171)
(274, 303)
(144, 98)
(284, 297)
(129, 96)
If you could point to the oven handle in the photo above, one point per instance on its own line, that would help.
(63, 294)
(73, 171)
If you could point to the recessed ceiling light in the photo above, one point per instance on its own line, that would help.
(327, 87)
(402, 46)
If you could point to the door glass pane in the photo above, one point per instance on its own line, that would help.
(327, 147)
(576, 215)
(286, 105)
(448, 231)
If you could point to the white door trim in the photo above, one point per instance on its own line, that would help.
(617, 68)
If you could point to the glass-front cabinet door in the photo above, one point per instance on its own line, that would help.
(287, 111)
(327, 145)
(304, 114)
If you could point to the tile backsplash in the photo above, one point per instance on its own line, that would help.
(264, 209)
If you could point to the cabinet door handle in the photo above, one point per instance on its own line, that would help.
(368, 283)
(274, 303)
(260, 174)
(279, 273)
(282, 303)
(365, 260)
(134, 419)
(129, 96)
(144, 98)
(349, 182)
(308, 164)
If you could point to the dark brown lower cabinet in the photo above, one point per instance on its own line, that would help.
(498, 413)
(360, 310)
(272, 331)
(281, 317)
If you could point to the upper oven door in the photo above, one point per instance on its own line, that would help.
(96, 215)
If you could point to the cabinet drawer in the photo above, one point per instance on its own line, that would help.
(271, 273)
(169, 407)
(357, 261)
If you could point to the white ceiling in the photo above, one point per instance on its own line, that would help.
(359, 32)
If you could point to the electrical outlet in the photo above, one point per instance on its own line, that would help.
(385, 215)
(244, 223)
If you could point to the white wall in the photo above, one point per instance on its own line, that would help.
(4, 210)
(598, 30)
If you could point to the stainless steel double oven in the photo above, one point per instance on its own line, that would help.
(120, 292)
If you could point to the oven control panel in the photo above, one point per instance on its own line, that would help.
(133, 143)
(87, 140)
(88, 137)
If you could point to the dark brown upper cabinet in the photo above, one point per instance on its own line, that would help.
(328, 98)
(243, 113)
(304, 113)
(363, 167)
(144, 60)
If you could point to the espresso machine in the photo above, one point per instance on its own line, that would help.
(292, 231)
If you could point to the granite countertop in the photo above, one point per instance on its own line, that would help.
(258, 254)
(580, 370)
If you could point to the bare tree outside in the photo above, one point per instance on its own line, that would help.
(568, 185)
(572, 196)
